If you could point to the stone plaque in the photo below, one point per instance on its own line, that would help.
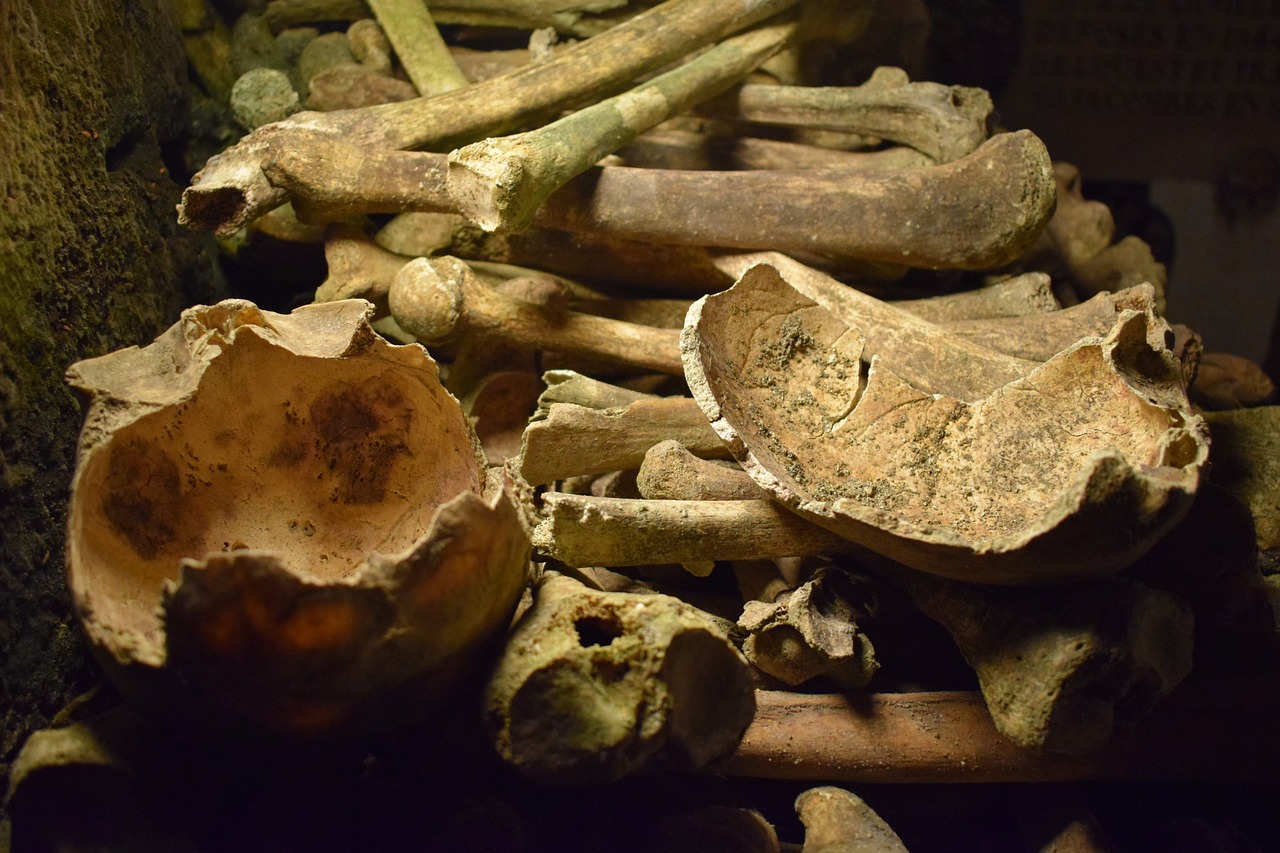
(1146, 89)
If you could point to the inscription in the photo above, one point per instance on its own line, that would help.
(1199, 59)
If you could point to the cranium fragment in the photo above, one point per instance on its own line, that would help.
(1072, 470)
(285, 519)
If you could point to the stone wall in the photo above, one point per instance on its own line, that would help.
(92, 97)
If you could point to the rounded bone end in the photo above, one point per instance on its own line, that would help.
(426, 298)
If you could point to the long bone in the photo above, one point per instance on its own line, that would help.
(231, 189)
(943, 122)
(978, 212)
(640, 266)
(583, 530)
(671, 148)
(418, 44)
(435, 298)
(588, 427)
(1051, 677)
(577, 19)
(499, 184)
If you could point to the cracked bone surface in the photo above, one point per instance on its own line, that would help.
(1071, 471)
(942, 122)
(285, 520)
(594, 686)
(436, 299)
(499, 184)
(924, 354)
(231, 190)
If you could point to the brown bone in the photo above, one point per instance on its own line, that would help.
(1071, 471)
(438, 298)
(231, 189)
(943, 122)
(594, 686)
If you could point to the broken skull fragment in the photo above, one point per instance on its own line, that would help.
(286, 520)
(1072, 470)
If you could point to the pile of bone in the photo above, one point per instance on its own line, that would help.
(776, 362)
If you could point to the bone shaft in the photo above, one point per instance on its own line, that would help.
(566, 386)
(925, 116)
(1040, 337)
(1030, 293)
(574, 440)
(601, 64)
(949, 208)
(230, 190)
(570, 332)
(331, 180)
(588, 531)
(282, 14)
(501, 182)
(412, 32)
(759, 580)
(1211, 729)
(642, 266)
(682, 149)
(671, 472)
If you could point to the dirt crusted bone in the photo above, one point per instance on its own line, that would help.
(231, 190)
(594, 686)
(979, 212)
(1070, 471)
(285, 519)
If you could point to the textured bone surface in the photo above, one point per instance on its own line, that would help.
(231, 190)
(1070, 471)
(582, 530)
(438, 298)
(812, 631)
(500, 183)
(594, 686)
(1039, 337)
(943, 122)
(836, 821)
(1061, 668)
(979, 212)
(567, 439)
(1029, 293)
(922, 353)
(670, 472)
(286, 517)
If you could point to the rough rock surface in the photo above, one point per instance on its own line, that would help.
(91, 259)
